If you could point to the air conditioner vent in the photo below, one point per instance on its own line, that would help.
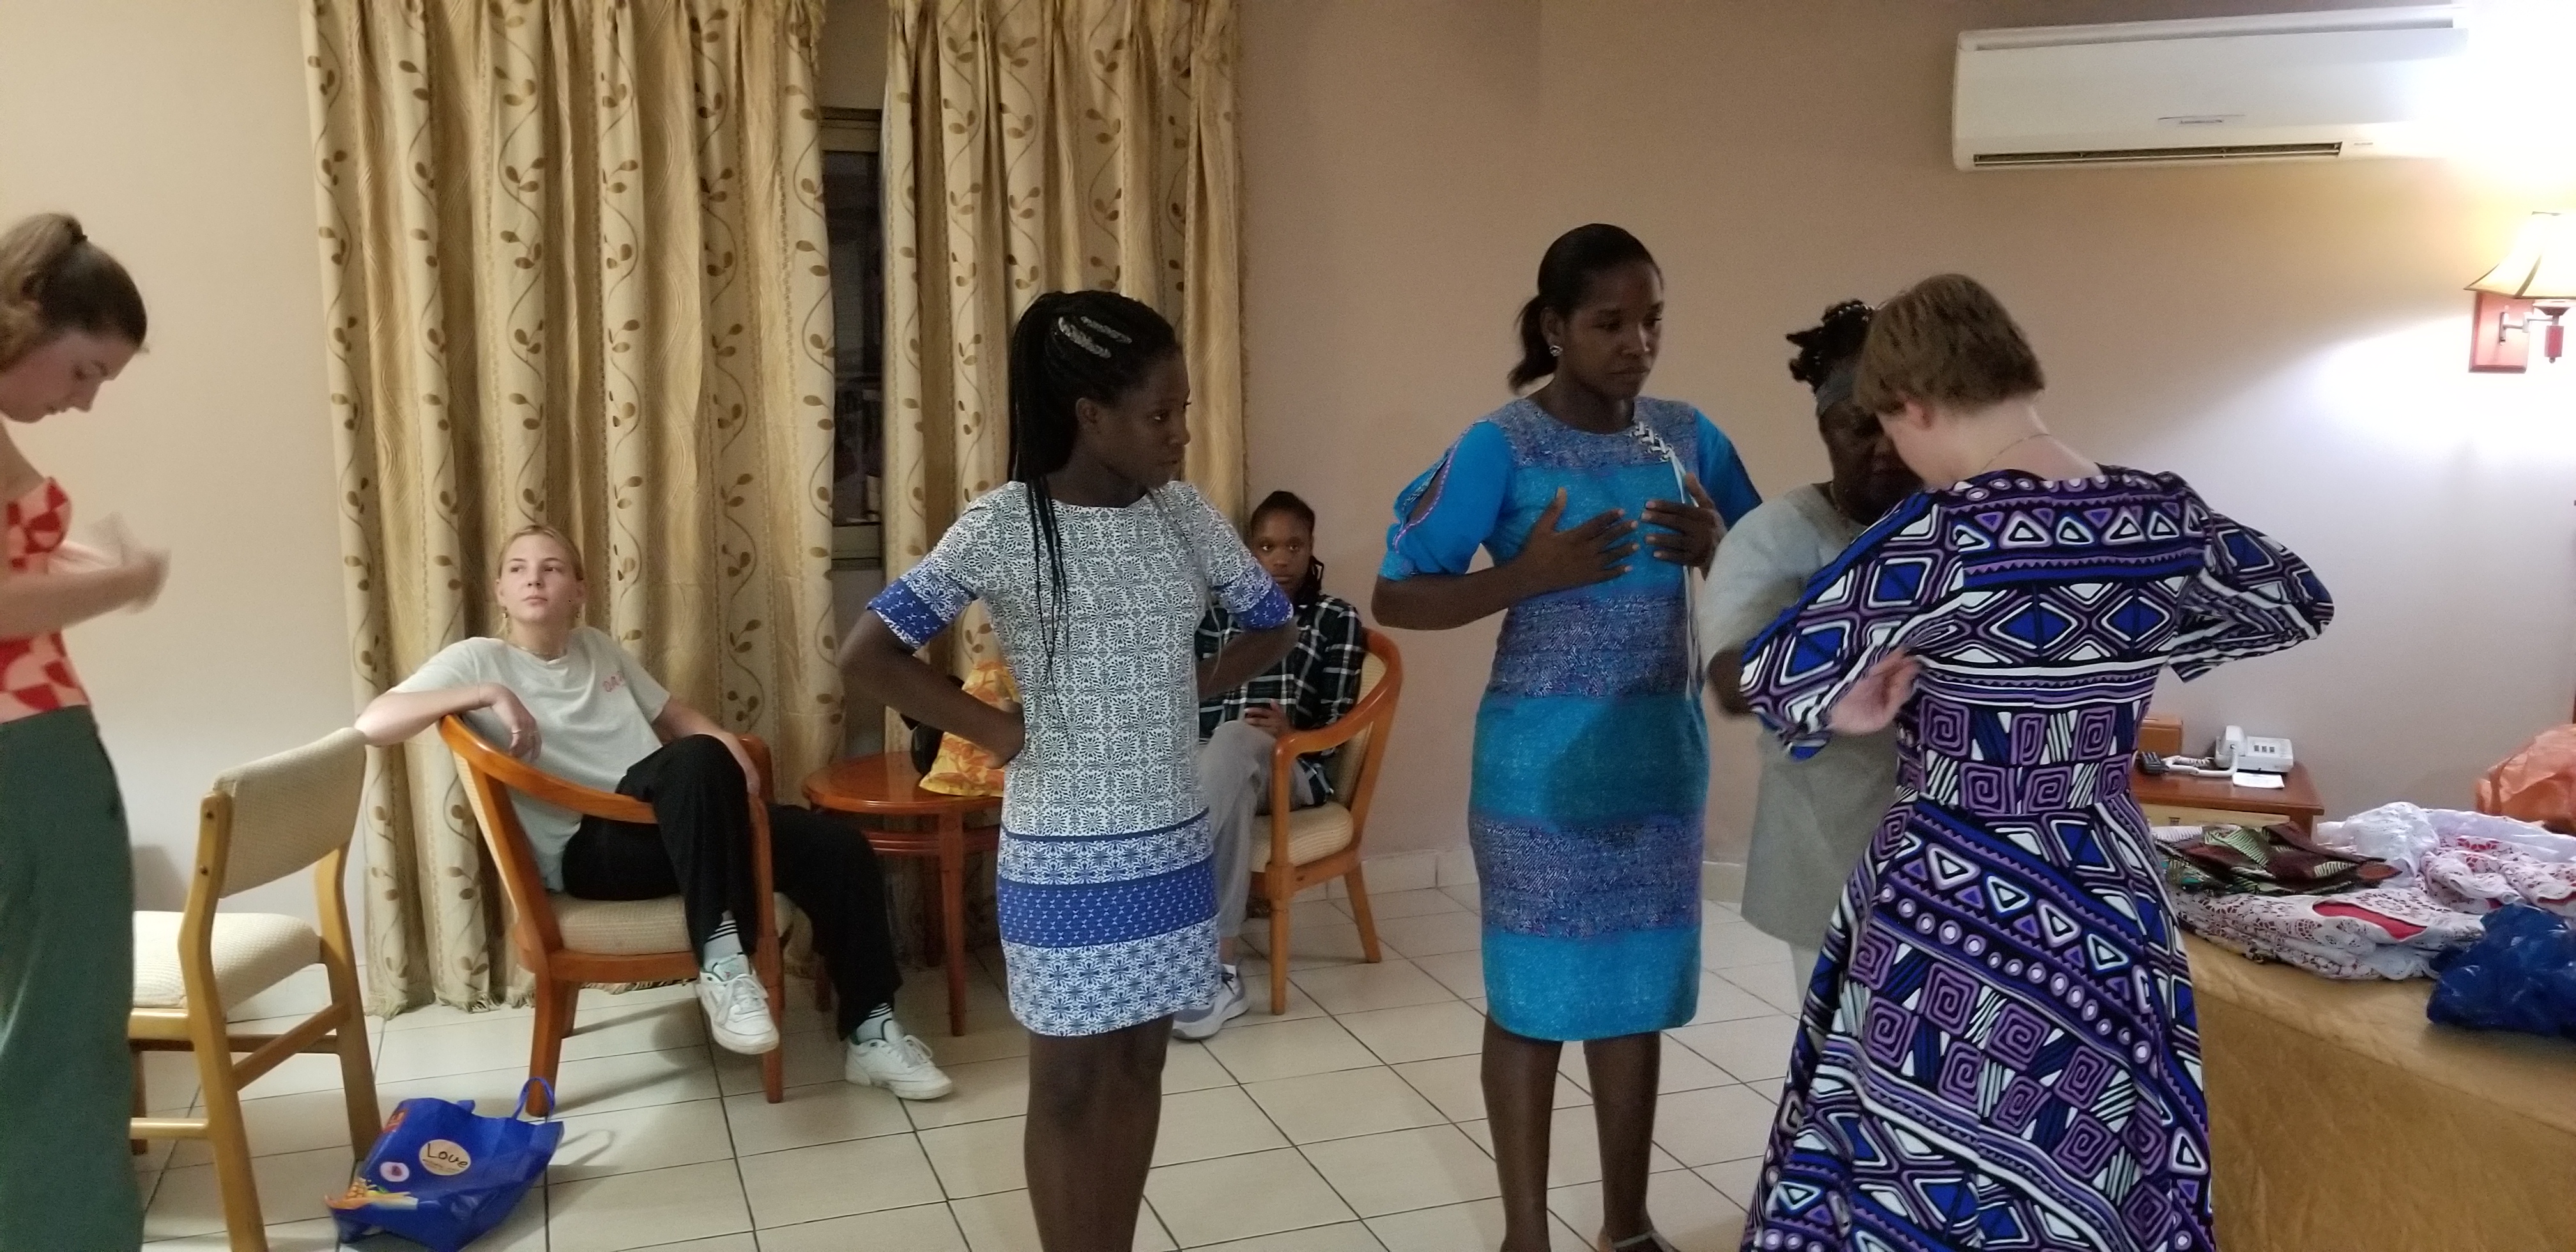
(2137, 156)
(2346, 84)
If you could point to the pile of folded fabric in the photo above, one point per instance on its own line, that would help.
(2273, 893)
(2272, 860)
(2474, 862)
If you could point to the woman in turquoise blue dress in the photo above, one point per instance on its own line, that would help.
(1591, 763)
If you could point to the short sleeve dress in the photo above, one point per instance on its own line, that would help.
(1999, 1048)
(1106, 894)
(1591, 757)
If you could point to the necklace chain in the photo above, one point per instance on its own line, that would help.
(1999, 452)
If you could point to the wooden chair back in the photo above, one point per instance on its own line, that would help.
(285, 812)
(259, 823)
(1359, 733)
(490, 775)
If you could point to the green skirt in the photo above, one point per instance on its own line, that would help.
(66, 986)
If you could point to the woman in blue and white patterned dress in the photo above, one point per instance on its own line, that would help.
(1096, 567)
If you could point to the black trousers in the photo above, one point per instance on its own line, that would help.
(700, 850)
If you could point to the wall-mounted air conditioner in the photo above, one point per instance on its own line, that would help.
(2317, 86)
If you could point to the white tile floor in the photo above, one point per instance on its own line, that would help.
(1351, 1123)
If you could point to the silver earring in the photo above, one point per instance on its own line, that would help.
(1553, 350)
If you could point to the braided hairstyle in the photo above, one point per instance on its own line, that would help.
(1828, 360)
(54, 280)
(1071, 346)
(1834, 341)
(1564, 274)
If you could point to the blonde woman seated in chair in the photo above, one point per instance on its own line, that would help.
(567, 699)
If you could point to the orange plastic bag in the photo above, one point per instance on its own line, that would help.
(964, 768)
(2536, 784)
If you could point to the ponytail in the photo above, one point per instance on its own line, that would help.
(54, 280)
(1537, 361)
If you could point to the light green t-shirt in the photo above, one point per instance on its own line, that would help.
(1813, 819)
(594, 707)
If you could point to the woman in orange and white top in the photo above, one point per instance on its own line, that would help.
(70, 319)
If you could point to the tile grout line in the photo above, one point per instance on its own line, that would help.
(1378, 1060)
(1290, 1140)
(1452, 1123)
(741, 1180)
(1335, 1018)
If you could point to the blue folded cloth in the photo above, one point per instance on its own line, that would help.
(2520, 977)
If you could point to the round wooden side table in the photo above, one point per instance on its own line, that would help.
(887, 786)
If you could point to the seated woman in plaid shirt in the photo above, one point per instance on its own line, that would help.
(1315, 685)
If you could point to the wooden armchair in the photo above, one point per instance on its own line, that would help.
(1319, 844)
(261, 822)
(567, 942)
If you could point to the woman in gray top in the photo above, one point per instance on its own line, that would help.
(1813, 818)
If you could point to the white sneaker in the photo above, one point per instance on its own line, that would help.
(901, 1065)
(737, 1008)
(1203, 1023)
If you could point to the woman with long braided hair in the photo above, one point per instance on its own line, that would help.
(1096, 565)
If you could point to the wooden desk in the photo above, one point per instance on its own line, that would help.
(2188, 800)
(874, 788)
(2343, 1121)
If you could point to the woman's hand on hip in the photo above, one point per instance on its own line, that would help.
(1595, 550)
(1690, 529)
(1009, 734)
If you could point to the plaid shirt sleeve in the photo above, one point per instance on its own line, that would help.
(1317, 682)
(1334, 649)
(1330, 650)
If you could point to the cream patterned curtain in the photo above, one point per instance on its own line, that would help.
(574, 265)
(1036, 145)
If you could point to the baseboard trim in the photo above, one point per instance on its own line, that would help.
(1410, 871)
(1722, 881)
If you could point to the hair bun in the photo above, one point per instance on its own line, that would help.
(1835, 339)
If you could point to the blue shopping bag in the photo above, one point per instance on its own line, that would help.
(442, 1176)
(2521, 976)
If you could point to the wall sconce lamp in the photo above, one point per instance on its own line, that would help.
(2538, 276)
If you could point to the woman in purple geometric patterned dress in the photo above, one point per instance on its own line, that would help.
(1998, 1047)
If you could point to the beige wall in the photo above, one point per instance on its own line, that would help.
(2287, 337)
(852, 75)
(2290, 338)
(177, 133)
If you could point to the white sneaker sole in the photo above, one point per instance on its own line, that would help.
(735, 1041)
(1206, 1027)
(746, 1045)
(902, 1088)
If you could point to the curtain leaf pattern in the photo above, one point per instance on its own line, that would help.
(574, 267)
